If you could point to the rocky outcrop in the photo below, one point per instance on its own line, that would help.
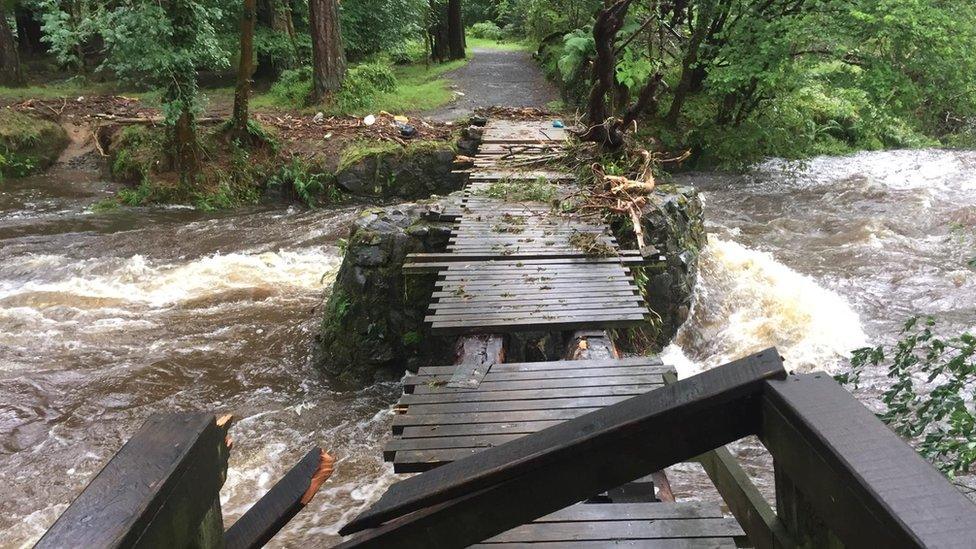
(388, 170)
(674, 224)
(28, 144)
(373, 328)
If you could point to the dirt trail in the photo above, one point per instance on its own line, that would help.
(492, 77)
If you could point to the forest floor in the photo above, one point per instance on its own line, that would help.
(497, 77)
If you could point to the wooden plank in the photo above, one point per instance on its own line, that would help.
(607, 531)
(277, 507)
(481, 299)
(630, 389)
(568, 373)
(867, 485)
(545, 312)
(516, 405)
(582, 512)
(626, 300)
(441, 443)
(694, 543)
(154, 492)
(515, 427)
(529, 325)
(533, 312)
(453, 257)
(501, 386)
(631, 439)
(626, 362)
(744, 500)
(474, 418)
(554, 293)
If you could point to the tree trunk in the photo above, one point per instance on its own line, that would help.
(184, 139)
(277, 16)
(455, 30)
(437, 33)
(328, 56)
(10, 73)
(29, 31)
(245, 69)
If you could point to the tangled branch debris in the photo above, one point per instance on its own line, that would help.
(623, 195)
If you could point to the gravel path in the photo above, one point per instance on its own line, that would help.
(502, 78)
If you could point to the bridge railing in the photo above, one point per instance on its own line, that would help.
(842, 477)
(162, 489)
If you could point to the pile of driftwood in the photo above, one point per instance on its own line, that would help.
(623, 195)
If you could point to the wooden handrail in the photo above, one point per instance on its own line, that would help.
(868, 486)
(502, 487)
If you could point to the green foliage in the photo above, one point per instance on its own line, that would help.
(411, 339)
(136, 150)
(293, 87)
(362, 84)
(791, 78)
(27, 143)
(578, 46)
(487, 30)
(373, 26)
(930, 397)
(308, 186)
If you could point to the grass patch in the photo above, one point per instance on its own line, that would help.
(497, 45)
(28, 144)
(358, 151)
(370, 88)
(539, 190)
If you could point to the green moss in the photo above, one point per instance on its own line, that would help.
(539, 190)
(359, 151)
(28, 144)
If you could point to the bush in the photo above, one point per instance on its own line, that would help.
(929, 396)
(362, 84)
(408, 53)
(293, 88)
(487, 30)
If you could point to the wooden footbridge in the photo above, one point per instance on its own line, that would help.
(564, 453)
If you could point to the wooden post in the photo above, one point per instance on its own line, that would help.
(837, 462)
(799, 518)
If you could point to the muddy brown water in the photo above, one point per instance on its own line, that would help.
(108, 317)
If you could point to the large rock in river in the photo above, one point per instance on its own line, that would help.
(373, 325)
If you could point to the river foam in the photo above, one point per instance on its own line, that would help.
(746, 301)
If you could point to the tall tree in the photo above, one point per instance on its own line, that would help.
(29, 31)
(10, 72)
(437, 34)
(163, 43)
(328, 55)
(244, 71)
(455, 29)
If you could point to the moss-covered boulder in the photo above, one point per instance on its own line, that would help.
(390, 170)
(28, 144)
(373, 328)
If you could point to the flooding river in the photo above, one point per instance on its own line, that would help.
(108, 317)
